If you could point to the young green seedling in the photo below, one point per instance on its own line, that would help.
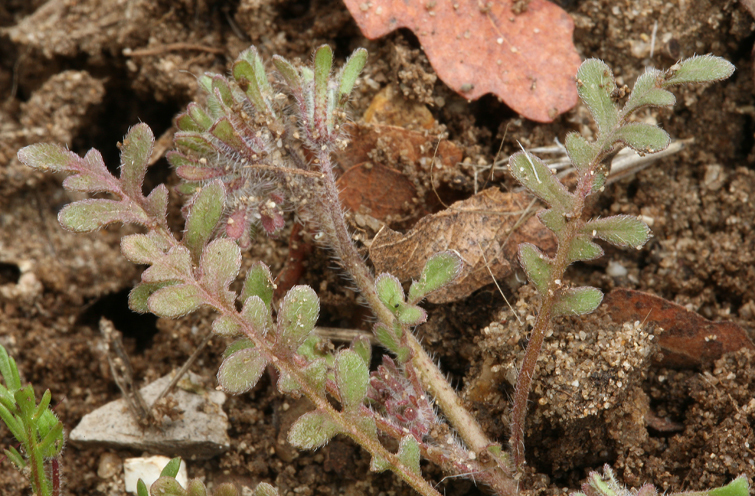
(565, 217)
(35, 427)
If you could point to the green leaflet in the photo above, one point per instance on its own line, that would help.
(577, 301)
(312, 430)
(536, 265)
(352, 379)
(297, 316)
(440, 269)
(203, 216)
(174, 301)
(241, 371)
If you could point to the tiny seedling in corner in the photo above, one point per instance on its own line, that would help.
(35, 427)
(261, 147)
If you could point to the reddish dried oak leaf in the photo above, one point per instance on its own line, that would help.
(488, 221)
(688, 340)
(527, 59)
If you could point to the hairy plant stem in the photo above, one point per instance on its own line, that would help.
(430, 375)
(524, 381)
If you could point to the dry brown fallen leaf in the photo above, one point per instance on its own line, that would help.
(400, 145)
(527, 58)
(688, 340)
(380, 190)
(375, 189)
(487, 220)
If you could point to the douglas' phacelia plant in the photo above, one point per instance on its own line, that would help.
(35, 427)
(263, 146)
(565, 217)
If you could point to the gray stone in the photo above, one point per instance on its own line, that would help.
(199, 432)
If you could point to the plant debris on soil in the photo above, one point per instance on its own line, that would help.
(81, 73)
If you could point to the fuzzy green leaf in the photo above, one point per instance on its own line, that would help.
(595, 85)
(222, 91)
(644, 138)
(553, 220)
(350, 72)
(225, 132)
(237, 345)
(257, 314)
(47, 157)
(167, 486)
(259, 282)
(408, 453)
(171, 468)
(289, 73)
(389, 291)
(312, 430)
(199, 116)
(174, 265)
(620, 230)
(138, 297)
(144, 248)
(135, 154)
(265, 489)
(410, 315)
(174, 301)
(648, 93)
(536, 265)
(577, 301)
(386, 337)
(243, 73)
(362, 347)
(699, 69)
(157, 204)
(582, 249)
(203, 216)
(226, 326)
(539, 179)
(219, 266)
(51, 433)
(91, 175)
(323, 64)
(737, 487)
(94, 214)
(352, 379)
(297, 316)
(440, 269)
(9, 371)
(195, 143)
(580, 151)
(240, 371)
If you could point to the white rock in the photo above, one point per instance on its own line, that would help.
(148, 470)
(615, 269)
(199, 433)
